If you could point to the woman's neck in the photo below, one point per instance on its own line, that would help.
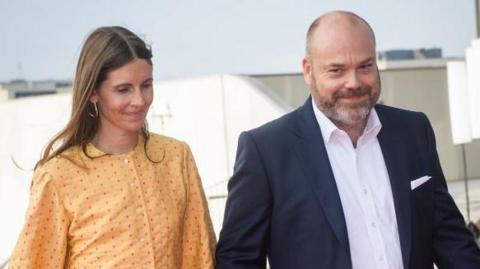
(115, 143)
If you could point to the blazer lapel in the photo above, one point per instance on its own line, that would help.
(395, 157)
(312, 153)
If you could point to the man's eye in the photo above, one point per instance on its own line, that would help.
(147, 85)
(366, 66)
(334, 70)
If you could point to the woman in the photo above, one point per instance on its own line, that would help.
(107, 193)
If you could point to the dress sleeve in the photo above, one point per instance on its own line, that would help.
(43, 240)
(198, 235)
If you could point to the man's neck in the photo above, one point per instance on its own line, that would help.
(354, 131)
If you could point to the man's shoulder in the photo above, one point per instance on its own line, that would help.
(404, 124)
(398, 116)
(396, 112)
(277, 126)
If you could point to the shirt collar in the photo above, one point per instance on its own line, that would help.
(93, 151)
(374, 125)
(327, 127)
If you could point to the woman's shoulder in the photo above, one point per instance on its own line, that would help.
(161, 147)
(168, 143)
(69, 161)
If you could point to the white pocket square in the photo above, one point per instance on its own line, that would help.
(419, 181)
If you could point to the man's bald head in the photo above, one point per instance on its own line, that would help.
(335, 18)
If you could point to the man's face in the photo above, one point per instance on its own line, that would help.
(342, 73)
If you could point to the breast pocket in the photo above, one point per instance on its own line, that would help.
(421, 198)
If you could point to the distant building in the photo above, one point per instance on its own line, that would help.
(19, 88)
(3, 94)
(395, 55)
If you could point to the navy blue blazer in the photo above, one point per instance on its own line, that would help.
(283, 201)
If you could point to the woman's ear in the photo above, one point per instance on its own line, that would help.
(94, 97)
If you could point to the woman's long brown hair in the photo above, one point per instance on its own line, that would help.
(106, 49)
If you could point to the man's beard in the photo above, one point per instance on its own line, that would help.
(348, 113)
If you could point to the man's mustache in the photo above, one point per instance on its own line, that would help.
(352, 93)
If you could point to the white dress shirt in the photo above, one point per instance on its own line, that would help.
(365, 192)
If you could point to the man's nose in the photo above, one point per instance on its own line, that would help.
(352, 81)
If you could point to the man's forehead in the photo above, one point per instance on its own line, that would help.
(341, 27)
(338, 25)
(347, 42)
(342, 18)
(344, 60)
(345, 38)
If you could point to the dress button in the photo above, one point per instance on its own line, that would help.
(125, 160)
(138, 210)
(142, 239)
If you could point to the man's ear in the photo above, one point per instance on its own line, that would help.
(307, 71)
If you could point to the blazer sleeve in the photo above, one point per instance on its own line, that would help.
(244, 237)
(198, 242)
(453, 245)
(43, 240)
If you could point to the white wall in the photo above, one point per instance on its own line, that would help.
(207, 112)
(26, 125)
(3, 94)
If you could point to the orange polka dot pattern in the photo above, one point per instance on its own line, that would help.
(118, 211)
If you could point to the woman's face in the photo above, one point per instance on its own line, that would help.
(124, 97)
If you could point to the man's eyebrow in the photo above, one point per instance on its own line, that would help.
(369, 59)
(334, 64)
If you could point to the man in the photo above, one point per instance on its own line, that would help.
(342, 182)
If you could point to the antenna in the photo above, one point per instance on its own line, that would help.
(20, 70)
(477, 17)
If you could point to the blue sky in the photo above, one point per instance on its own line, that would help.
(42, 39)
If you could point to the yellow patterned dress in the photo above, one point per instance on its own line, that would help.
(118, 211)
